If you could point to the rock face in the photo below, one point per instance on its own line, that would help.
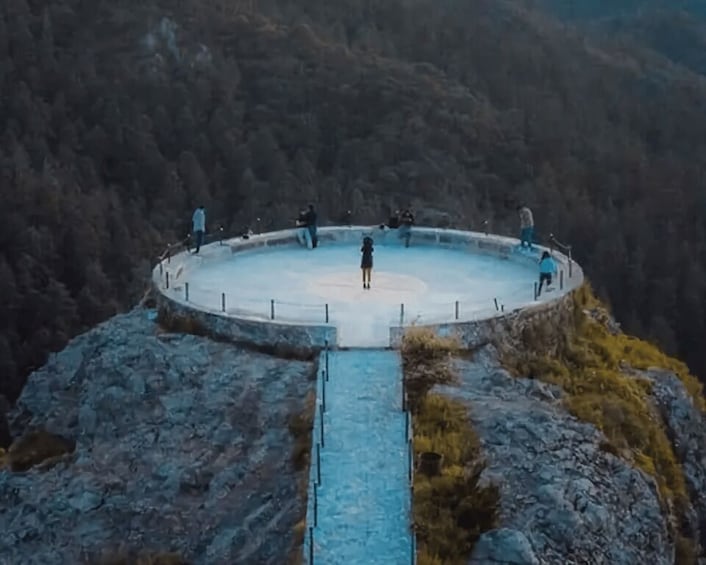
(182, 445)
(563, 499)
(687, 429)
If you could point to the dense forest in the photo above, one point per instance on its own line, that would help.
(118, 117)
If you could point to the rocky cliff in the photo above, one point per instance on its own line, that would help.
(166, 443)
(163, 442)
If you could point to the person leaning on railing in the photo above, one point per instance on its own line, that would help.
(406, 223)
(303, 234)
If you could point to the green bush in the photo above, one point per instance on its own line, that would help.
(450, 510)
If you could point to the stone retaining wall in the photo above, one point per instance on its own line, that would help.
(314, 336)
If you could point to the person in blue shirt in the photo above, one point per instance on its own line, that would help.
(547, 268)
(198, 221)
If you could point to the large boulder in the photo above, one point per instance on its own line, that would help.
(564, 499)
(181, 445)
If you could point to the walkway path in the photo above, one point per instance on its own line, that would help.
(364, 499)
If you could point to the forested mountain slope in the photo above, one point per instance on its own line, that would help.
(116, 118)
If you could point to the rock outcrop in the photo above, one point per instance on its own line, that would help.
(181, 444)
(564, 499)
(686, 425)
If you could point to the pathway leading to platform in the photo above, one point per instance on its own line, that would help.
(363, 501)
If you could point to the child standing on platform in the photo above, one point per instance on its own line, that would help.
(366, 261)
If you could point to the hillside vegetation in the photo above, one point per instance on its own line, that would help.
(116, 119)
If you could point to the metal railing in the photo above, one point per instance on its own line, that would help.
(409, 440)
(463, 309)
(322, 379)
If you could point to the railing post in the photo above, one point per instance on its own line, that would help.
(311, 545)
(502, 308)
(561, 279)
(167, 280)
(535, 290)
(410, 459)
(406, 426)
(457, 309)
(326, 358)
(401, 314)
(223, 301)
(327, 313)
(497, 308)
(169, 255)
(316, 505)
(220, 235)
(186, 291)
(321, 421)
(272, 309)
(161, 268)
(570, 263)
(414, 548)
(323, 390)
(318, 463)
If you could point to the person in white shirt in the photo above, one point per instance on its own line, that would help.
(526, 226)
(198, 221)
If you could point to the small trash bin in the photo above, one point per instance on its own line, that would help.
(430, 463)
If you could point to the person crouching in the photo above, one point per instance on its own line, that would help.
(547, 268)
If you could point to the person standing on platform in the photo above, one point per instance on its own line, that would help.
(526, 226)
(366, 261)
(311, 226)
(406, 223)
(198, 221)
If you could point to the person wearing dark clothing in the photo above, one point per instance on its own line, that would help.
(547, 268)
(366, 261)
(311, 225)
(394, 222)
(406, 223)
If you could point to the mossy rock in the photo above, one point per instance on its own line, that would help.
(37, 447)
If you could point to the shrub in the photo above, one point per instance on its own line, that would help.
(301, 425)
(427, 362)
(37, 447)
(451, 510)
(141, 558)
(180, 324)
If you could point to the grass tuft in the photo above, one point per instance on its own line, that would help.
(128, 558)
(453, 509)
(35, 448)
(301, 425)
(427, 362)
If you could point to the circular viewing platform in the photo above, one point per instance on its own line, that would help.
(270, 288)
